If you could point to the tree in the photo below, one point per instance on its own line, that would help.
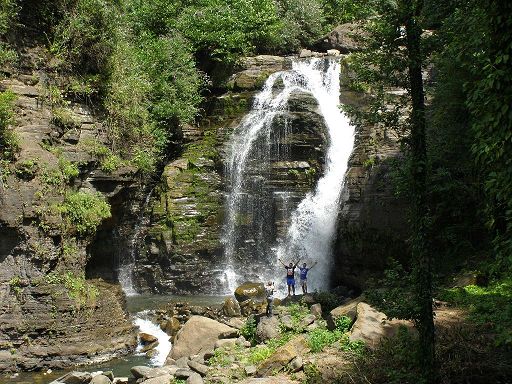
(394, 59)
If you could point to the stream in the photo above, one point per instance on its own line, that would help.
(139, 307)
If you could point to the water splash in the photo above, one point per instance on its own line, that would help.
(254, 145)
(164, 346)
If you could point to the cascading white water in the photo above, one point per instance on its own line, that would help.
(164, 346)
(310, 235)
(312, 231)
(125, 270)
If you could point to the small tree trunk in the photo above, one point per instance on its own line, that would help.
(420, 247)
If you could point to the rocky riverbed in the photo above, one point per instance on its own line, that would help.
(218, 344)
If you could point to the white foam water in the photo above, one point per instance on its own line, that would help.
(312, 230)
(164, 346)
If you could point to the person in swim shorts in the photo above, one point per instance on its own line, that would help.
(290, 276)
(304, 276)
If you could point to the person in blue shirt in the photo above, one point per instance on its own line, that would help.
(290, 276)
(304, 277)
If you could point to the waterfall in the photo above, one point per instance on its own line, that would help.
(127, 265)
(251, 243)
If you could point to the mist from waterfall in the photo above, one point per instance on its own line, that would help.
(253, 147)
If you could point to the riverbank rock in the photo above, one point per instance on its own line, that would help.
(248, 291)
(349, 309)
(283, 356)
(199, 334)
(231, 308)
(267, 328)
(371, 326)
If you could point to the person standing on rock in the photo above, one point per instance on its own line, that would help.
(269, 293)
(304, 276)
(290, 276)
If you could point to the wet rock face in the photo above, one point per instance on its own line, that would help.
(39, 260)
(182, 252)
(372, 224)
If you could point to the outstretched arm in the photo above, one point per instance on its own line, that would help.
(282, 262)
(297, 263)
(315, 263)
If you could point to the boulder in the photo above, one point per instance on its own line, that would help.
(287, 322)
(283, 356)
(143, 372)
(267, 328)
(296, 364)
(349, 309)
(307, 320)
(248, 291)
(224, 343)
(197, 336)
(231, 308)
(305, 53)
(233, 334)
(75, 377)
(199, 368)
(171, 326)
(340, 39)
(146, 338)
(269, 380)
(164, 379)
(250, 370)
(195, 378)
(100, 379)
(371, 326)
(316, 309)
(235, 323)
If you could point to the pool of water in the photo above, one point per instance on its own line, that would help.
(120, 367)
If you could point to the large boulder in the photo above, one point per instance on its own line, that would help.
(231, 307)
(372, 326)
(197, 336)
(342, 38)
(247, 291)
(283, 356)
(267, 328)
(348, 309)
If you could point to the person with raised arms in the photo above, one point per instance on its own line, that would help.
(304, 276)
(290, 276)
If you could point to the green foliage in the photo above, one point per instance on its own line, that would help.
(248, 330)
(8, 139)
(84, 212)
(26, 169)
(302, 23)
(220, 358)
(489, 101)
(393, 294)
(16, 285)
(63, 118)
(85, 37)
(491, 305)
(224, 30)
(68, 169)
(83, 293)
(344, 11)
(394, 361)
(154, 89)
(319, 338)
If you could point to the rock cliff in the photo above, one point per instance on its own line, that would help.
(52, 198)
